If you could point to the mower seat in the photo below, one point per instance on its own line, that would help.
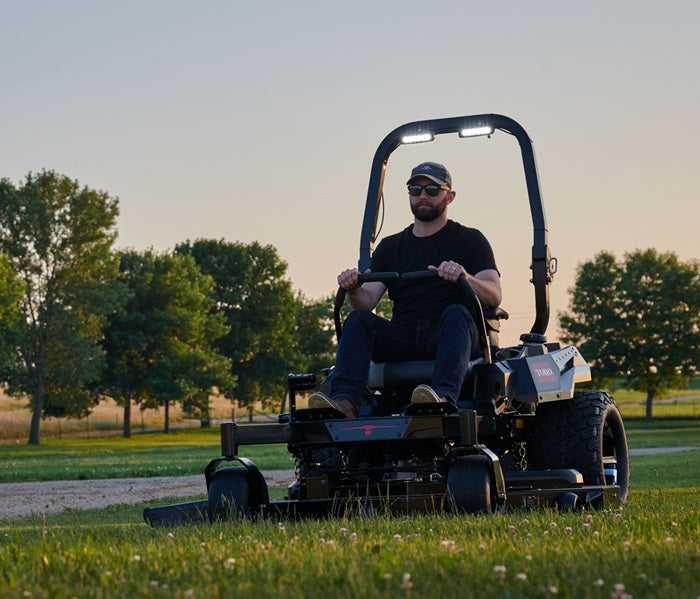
(400, 375)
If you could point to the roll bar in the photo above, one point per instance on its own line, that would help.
(543, 266)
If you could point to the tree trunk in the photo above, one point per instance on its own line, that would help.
(205, 420)
(650, 398)
(127, 418)
(166, 428)
(39, 400)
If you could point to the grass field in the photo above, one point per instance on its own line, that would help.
(650, 548)
(187, 451)
(673, 404)
(180, 452)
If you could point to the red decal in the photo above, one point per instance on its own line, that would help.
(367, 429)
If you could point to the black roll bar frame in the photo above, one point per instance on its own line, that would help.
(543, 266)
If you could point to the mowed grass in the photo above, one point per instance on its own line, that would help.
(684, 404)
(180, 452)
(648, 549)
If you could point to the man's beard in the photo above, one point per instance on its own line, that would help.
(428, 212)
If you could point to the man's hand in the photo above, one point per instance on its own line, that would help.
(449, 270)
(365, 296)
(486, 283)
(348, 279)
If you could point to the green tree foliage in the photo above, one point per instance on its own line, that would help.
(315, 335)
(11, 292)
(159, 344)
(58, 238)
(638, 319)
(264, 343)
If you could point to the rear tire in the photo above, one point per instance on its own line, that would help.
(585, 433)
(469, 488)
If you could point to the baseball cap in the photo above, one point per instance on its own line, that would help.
(433, 171)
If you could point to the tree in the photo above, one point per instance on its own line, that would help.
(638, 319)
(261, 309)
(58, 238)
(11, 292)
(315, 335)
(159, 344)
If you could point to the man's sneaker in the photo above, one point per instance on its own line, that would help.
(424, 394)
(320, 401)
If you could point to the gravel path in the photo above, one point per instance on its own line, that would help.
(20, 500)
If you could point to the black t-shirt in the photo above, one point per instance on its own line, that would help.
(404, 252)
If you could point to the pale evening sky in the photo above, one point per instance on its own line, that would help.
(258, 121)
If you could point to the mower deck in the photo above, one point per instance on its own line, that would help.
(364, 490)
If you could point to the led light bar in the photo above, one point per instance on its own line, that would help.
(417, 138)
(476, 131)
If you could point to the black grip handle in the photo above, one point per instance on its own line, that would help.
(381, 277)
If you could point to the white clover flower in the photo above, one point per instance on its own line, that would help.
(500, 572)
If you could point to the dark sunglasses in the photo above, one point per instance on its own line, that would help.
(431, 189)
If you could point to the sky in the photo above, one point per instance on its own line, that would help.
(258, 121)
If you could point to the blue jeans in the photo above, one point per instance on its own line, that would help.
(451, 342)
